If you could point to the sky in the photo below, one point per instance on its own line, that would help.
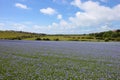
(60, 16)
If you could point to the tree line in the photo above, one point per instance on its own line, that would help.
(108, 35)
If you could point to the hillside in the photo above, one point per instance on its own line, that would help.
(101, 36)
(107, 35)
(17, 35)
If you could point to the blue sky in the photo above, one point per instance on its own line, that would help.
(60, 16)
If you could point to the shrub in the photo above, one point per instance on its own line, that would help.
(56, 39)
(107, 39)
(38, 39)
(46, 39)
(19, 38)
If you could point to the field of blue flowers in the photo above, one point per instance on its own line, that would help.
(33, 60)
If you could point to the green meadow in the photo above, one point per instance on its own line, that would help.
(94, 37)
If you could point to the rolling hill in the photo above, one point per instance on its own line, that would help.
(101, 36)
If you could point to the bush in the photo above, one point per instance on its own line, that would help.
(14, 38)
(46, 39)
(56, 39)
(38, 39)
(19, 38)
(107, 39)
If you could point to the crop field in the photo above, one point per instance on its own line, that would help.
(59, 60)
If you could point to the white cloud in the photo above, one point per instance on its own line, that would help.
(76, 3)
(94, 14)
(19, 26)
(59, 16)
(22, 6)
(37, 27)
(49, 11)
(63, 23)
(2, 24)
(90, 16)
(106, 27)
(42, 29)
(54, 25)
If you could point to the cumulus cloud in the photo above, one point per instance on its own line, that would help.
(49, 11)
(59, 16)
(19, 26)
(106, 27)
(22, 6)
(94, 13)
(92, 16)
(63, 23)
(76, 3)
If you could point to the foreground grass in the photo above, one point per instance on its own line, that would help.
(38, 66)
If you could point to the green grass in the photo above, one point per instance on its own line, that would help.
(19, 35)
(64, 38)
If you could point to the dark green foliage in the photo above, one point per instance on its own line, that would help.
(115, 34)
(38, 39)
(107, 39)
(46, 39)
(15, 38)
(107, 36)
(57, 39)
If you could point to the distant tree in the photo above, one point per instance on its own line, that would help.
(107, 34)
(118, 30)
(114, 35)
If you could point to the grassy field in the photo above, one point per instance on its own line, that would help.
(94, 37)
(65, 38)
(17, 35)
